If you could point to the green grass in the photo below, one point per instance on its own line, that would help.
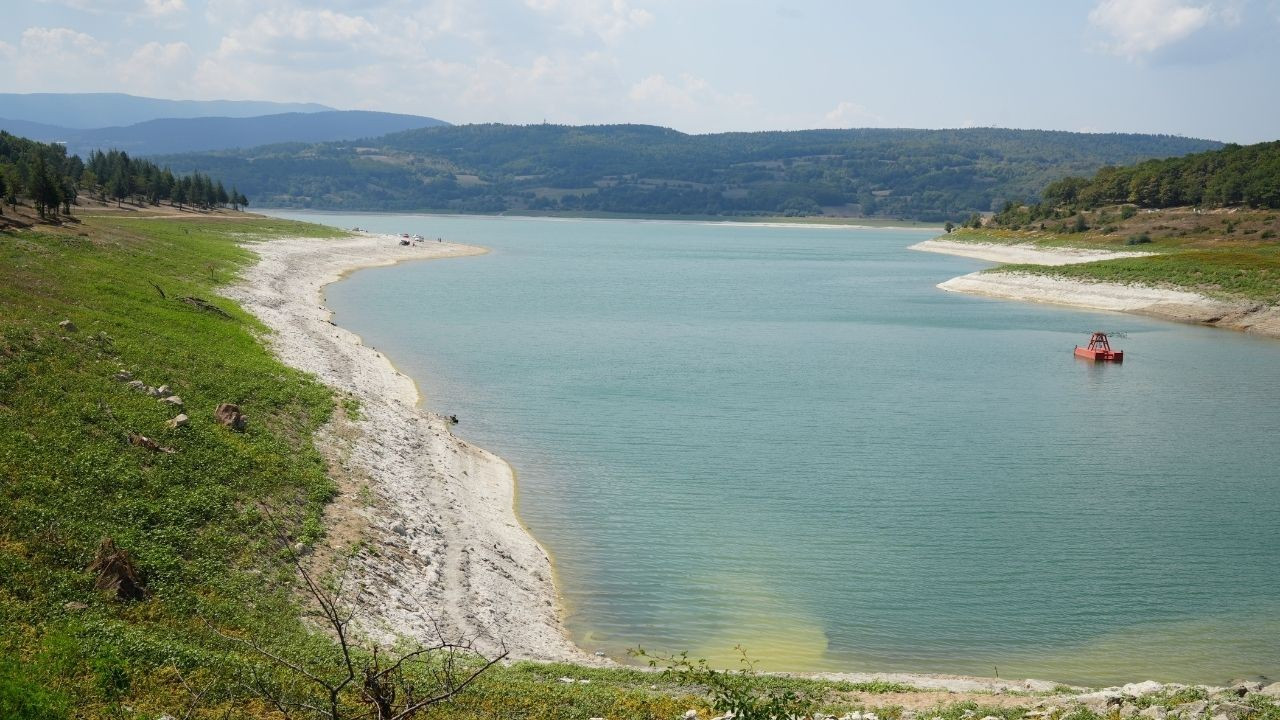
(1045, 238)
(194, 519)
(1229, 274)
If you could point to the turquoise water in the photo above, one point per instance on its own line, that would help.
(789, 439)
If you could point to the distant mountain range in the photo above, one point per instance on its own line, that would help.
(931, 175)
(100, 110)
(200, 134)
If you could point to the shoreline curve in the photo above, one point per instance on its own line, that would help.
(441, 551)
(1163, 303)
(444, 551)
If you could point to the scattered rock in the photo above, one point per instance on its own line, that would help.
(1232, 711)
(599, 653)
(172, 400)
(1040, 685)
(116, 572)
(122, 376)
(300, 549)
(691, 714)
(398, 528)
(1143, 688)
(230, 415)
(567, 680)
(138, 385)
(1101, 700)
(1191, 709)
(1240, 688)
(161, 391)
(68, 326)
(177, 422)
(1155, 712)
(1272, 690)
(74, 606)
(148, 443)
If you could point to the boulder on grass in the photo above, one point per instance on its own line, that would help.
(230, 415)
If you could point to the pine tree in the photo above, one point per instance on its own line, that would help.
(43, 190)
(119, 186)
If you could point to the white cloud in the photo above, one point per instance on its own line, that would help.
(689, 102)
(7, 51)
(848, 115)
(607, 19)
(685, 94)
(157, 68)
(161, 8)
(1140, 27)
(59, 43)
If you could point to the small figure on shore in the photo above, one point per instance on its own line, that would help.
(453, 419)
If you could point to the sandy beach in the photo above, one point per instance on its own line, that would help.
(442, 551)
(1164, 303)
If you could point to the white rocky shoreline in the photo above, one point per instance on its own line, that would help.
(442, 550)
(1165, 303)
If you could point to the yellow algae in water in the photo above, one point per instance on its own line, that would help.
(1201, 650)
(771, 626)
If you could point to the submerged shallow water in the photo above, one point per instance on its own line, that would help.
(789, 439)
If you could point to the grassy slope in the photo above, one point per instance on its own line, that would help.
(68, 475)
(1226, 254)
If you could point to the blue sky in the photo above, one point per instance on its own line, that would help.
(1190, 67)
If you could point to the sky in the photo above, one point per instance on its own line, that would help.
(1189, 67)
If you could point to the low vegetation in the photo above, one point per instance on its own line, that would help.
(1229, 253)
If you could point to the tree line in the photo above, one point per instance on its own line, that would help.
(1234, 175)
(931, 175)
(52, 180)
(114, 174)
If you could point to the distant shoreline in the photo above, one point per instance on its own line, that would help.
(1164, 303)
(765, 220)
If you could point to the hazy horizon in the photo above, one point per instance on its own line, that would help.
(1197, 69)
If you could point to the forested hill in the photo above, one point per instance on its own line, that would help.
(1234, 175)
(928, 175)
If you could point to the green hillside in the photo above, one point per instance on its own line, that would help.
(1234, 175)
(930, 175)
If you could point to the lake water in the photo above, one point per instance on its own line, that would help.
(787, 438)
